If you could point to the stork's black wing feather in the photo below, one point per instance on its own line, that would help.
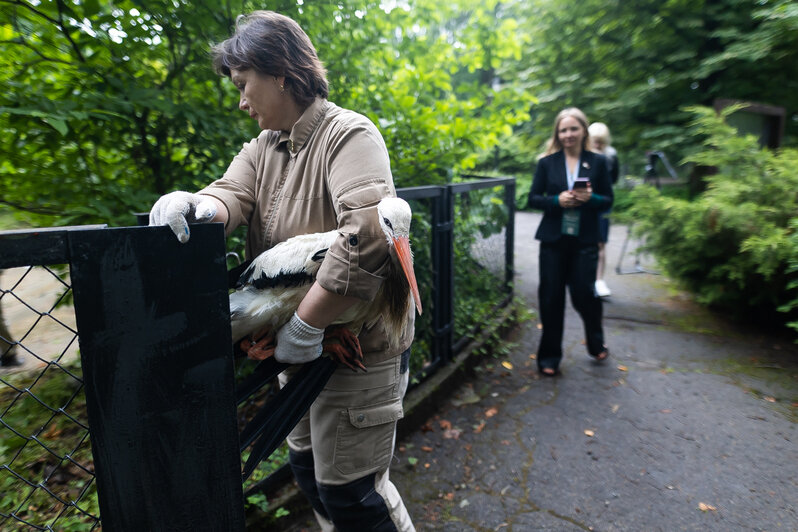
(264, 372)
(284, 278)
(282, 413)
(234, 274)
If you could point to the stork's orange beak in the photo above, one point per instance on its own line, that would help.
(402, 247)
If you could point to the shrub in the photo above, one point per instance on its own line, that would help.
(734, 244)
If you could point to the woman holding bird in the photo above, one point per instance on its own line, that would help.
(316, 168)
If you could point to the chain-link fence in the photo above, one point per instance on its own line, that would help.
(462, 240)
(482, 258)
(155, 396)
(47, 475)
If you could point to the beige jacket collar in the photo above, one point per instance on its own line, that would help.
(304, 127)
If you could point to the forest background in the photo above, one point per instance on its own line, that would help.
(107, 105)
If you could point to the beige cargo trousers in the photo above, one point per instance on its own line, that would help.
(341, 450)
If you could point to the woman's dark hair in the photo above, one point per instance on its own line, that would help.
(274, 45)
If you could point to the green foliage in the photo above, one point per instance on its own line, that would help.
(635, 65)
(734, 244)
(624, 200)
(421, 238)
(423, 75)
(791, 307)
(108, 106)
(7, 220)
(479, 261)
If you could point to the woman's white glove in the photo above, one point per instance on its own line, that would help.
(178, 209)
(298, 342)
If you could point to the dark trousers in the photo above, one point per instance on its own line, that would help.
(567, 262)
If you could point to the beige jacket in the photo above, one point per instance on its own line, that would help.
(329, 172)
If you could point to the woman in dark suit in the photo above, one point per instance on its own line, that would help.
(569, 235)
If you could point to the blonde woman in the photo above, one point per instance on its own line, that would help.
(571, 186)
(601, 141)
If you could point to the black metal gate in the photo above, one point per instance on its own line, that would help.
(157, 373)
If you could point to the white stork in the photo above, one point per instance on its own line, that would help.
(271, 288)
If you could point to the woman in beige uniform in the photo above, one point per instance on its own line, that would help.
(314, 167)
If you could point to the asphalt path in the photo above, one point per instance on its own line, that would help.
(690, 425)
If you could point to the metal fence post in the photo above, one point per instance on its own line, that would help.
(157, 362)
(443, 274)
(509, 240)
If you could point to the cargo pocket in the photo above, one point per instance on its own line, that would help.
(364, 442)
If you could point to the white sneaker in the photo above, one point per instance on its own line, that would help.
(602, 290)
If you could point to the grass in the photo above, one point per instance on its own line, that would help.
(28, 464)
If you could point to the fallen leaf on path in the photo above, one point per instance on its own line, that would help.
(427, 448)
(615, 408)
(449, 496)
(467, 397)
(426, 466)
(770, 399)
(704, 507)
(479, 428)
(507, 365)
(445, 424)
(665, 411)
(505, 442)
(452, 434)
(622, 367)
(589, 433)
(492, 411)
(533, 356)
(52, 433)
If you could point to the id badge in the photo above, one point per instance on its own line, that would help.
(570, 222)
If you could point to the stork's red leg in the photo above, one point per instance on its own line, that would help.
(344, 347)
(260, 345)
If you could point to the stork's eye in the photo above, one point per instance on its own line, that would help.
(388, 223)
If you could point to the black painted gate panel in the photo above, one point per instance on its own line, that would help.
(157, 362)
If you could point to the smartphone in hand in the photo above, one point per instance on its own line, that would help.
(581, 182)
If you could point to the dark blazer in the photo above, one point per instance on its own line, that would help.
(550, 180)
